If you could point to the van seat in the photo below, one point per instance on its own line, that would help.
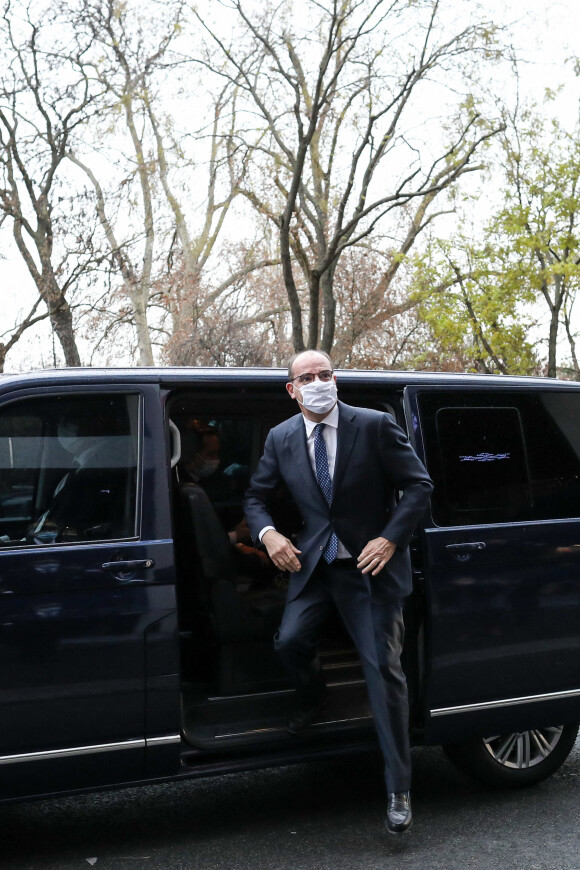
(239, 617)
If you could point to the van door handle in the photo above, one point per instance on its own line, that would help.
(128, 565)
(467, 547)
(124, 570)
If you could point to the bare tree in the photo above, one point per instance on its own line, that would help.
(44, 97)
(332, 100)
(12, 336)
(128, 50)
(243, 323)
(161, 253)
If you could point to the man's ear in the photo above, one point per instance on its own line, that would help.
(290, 388)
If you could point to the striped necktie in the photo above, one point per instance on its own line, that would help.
(325, 484)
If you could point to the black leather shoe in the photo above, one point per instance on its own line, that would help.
(304, 716)
(399, 816)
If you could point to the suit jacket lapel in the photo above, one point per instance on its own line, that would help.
(296, 440)
(346, 436)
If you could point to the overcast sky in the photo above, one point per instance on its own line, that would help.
(546, 34)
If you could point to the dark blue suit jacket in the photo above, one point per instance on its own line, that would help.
(374, 460)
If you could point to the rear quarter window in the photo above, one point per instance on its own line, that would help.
(502, 457)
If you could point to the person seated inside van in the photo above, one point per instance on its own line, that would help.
(200, 464)
(92, 500)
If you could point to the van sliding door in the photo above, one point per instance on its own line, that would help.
(502, 556)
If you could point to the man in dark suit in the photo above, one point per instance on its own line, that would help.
(343, 467)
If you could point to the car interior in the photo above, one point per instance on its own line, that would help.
(68, 469)
(231, 597)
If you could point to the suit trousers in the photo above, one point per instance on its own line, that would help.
(374, 621)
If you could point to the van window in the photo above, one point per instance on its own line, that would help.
(483, 463)
(502, 457)
(217, 452)
(552, 431)
(68, 469)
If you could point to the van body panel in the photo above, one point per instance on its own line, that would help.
(89, 651)
(91, 671)
(504, 598)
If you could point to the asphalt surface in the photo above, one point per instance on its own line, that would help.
(321, 816)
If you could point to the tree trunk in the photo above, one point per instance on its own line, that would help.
(145, 357)
(329, 309)
(59, 312)
(314, 309)
(572, 343)
(61, 321)
(295, 310)
(555, 308)
(552, 342)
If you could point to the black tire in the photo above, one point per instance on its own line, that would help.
(515, 760)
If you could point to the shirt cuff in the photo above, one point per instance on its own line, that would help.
(263, 532)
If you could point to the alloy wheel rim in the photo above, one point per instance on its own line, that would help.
(523, 749)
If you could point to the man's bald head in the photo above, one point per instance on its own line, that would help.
(311, 357)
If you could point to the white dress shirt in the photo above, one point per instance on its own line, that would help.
(329, 433)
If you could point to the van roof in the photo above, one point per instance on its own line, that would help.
(176, 376)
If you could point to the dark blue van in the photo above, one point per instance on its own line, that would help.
(136, 618)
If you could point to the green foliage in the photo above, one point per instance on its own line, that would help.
(526, 257)
(473, 312)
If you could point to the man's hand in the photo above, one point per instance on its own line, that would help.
(375, 555)
(281, 551)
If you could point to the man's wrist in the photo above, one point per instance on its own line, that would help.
(263, 532)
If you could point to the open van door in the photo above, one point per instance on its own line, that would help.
(501, 556)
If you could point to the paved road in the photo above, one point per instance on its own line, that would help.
(322, 816)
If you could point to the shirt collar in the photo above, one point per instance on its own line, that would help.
(331, 420)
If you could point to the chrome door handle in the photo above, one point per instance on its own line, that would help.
(128, 565)
(125, 569)
(466, 547)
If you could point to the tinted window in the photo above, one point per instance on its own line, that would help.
(552, 430)
(500, 457)
(217, 452)
(483, 461)
(68, 469)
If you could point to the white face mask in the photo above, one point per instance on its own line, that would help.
(319, 396)
(74, 446)
(70, 441)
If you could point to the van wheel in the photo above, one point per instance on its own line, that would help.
(515, 760)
